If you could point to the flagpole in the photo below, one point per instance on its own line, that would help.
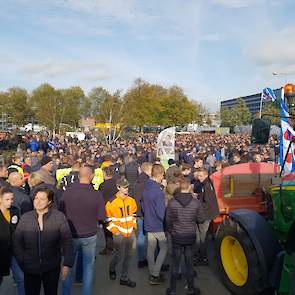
(260, 111)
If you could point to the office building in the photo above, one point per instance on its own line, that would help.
(252, 101)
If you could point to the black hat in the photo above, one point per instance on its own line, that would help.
(45, 160)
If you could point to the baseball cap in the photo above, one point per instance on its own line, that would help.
(122, 182)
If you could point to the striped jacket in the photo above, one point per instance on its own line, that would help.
(121, 215)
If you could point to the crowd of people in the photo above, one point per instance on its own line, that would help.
(55, 194)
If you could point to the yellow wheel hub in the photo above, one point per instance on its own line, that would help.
(234, 261)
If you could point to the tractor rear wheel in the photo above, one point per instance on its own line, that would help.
(237, 259)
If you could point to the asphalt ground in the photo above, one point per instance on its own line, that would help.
(207, 279)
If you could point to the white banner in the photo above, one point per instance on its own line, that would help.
(166, 144)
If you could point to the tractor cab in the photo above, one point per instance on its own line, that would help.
(243, 186)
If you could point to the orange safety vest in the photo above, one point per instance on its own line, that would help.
(121, 215)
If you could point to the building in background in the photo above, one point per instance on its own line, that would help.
(252, 101)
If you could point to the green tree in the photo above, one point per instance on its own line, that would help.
(177, 109)
(92, 104)
(108, 109)
(226, 117)
(241, 113)
(54, 107)
(17, 106)
(237, 116)
(72, 99)
(47, 102)
(143, 102)
(151, 104)
(4, 99)
(271, 109)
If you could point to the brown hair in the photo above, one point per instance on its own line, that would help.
(109, 171)
(203, 170)
(146, 166)
(34, 179)
(5, 190)
(184, 183)
(157, 170)
(185, 166)
(47, 191)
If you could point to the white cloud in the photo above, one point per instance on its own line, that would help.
(72, 25)
(55, 69)
(274, 51)
(6, 59)
(143, 19)
(235, 3)
(118, 9)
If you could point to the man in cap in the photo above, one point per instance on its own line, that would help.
(46, 169)
(121, 217)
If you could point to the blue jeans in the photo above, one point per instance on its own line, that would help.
(141, 240)
(79, 266)
(88, 248)
(18, 276)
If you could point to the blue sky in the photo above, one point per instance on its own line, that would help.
(214, 49)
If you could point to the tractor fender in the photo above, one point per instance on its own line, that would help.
(262, 237)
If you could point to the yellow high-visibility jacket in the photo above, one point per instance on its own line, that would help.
(98, 178)
(121, 215)
(61, 173)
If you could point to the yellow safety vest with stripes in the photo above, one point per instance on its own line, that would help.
(61, 173)
(121, 215)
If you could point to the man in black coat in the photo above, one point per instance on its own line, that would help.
(144, 176)
(72, 177)
(208, 199)
(21, 200)
(183, 214)
(83, 207)
(108, 189)
(131, 173)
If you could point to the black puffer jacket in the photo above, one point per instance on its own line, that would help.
(41, 251)
(6, 232)
(182, 215)
(21, 200)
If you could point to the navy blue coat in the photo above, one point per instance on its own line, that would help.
(153, 207)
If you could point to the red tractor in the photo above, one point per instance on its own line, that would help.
(242, 186)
